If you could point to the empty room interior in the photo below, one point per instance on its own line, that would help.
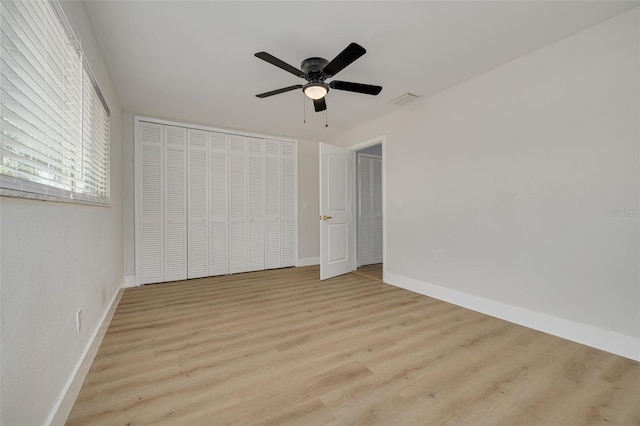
(320, 213)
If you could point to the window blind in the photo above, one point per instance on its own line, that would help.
(54, 120)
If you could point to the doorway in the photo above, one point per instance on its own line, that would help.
(352, 198)
(369, 218)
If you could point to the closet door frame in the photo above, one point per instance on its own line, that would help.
(138, 170)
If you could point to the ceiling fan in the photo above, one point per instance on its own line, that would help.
(316, 71)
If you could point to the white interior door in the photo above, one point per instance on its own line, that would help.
(336, 218)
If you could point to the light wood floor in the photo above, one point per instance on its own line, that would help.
(371, 271)
(281, 347)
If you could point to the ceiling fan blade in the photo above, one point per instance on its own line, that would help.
(279, 63)
(367, 89)
(320, 104)
(344, 58)
(278, 91)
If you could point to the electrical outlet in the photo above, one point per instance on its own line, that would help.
(79, 321)
(439, 255)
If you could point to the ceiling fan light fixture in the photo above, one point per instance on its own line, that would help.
(315, 90)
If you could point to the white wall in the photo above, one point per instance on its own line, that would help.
(308, 202)
(55, 259)
(513, 175)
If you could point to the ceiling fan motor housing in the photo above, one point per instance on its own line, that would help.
(312, 69)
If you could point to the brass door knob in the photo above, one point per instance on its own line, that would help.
(325, 217)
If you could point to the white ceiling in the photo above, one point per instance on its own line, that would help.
(193, 60)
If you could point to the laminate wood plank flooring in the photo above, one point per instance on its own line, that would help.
(281, 347)
(372, 271)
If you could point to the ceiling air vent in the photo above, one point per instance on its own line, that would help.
(404, 99)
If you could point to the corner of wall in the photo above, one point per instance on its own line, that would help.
(129, 281)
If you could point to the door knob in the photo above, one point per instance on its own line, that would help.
(323, 217)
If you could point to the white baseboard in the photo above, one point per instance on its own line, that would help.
(610, 341)
(307, 261)
(129, 281)
(63, 407)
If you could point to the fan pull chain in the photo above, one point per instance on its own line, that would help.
(326, 118)
(304, 108)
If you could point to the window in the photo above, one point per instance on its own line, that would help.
(54, 122)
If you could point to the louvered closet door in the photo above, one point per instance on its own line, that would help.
(376, 206)
(370, 210)
(288, 207)
(212, 203)
(238, 259)
(255, 203)
(198, 226)
(218, 204)
(175, 203)
(151, 194)
(273, 201)
(365, 222)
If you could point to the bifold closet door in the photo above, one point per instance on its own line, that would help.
(288, 159)
(376, 206)
(218, 168)
(175, 203)
(273, 201)
(370, 210)
(163, 203)
(238, 259)
(246, 196)
(198, 230)
(207, 187)
(255, 203)
(150, 193)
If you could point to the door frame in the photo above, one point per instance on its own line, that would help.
(354, 234)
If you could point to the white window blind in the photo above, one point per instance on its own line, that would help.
(54, 120)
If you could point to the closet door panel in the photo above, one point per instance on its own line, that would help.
(364, 222)
(151, 251)
(238, 258)
(255, 203)
(273, 201)
(218, 204)
(288, 206)
(369, 210)
(198, 229)
(175, 204)
(376, 210)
